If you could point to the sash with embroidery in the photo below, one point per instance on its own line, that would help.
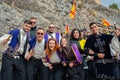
(76, 52)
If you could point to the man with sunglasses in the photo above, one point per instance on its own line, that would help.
(36, 55)
(52, 34)
(13, 57)
(34, 27)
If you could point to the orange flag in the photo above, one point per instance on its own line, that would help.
(66, 29)
(73, 10)
(105, 22)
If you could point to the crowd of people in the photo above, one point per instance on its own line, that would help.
(36, 54)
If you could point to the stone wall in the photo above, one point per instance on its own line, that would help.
(14, 12)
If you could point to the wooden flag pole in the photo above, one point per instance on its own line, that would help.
(73, 24)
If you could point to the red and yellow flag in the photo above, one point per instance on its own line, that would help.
(66, 29)
(105, 22)
(73, 10)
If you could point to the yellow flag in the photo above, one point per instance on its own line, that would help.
(73, 10)
(105, 22)
(82, 43)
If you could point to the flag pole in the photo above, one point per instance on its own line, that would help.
(114, 23)
(73, 24)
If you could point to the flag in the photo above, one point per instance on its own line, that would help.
(66, 29)
(73, 10)
(105, 22)
(82, 43)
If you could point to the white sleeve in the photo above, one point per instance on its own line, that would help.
(3, 47)
(113, 53)
(4, 37)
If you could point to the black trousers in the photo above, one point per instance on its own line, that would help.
(92, 71)
(56, 73)
(105, 71)
(12, 69)
(116, 70)
(36, 65)
(76, 72)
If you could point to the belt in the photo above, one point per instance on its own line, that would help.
(16, 57)
(104, 61)
(33, 58)
(13, 56)
(54, 64)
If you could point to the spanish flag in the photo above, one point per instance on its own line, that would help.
(73, 10)
(105, 22)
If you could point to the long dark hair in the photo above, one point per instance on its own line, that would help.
(65, 50)
(72, 33)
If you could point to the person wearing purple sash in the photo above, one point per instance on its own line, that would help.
(75, 39)
(72, 59)
(52, 34)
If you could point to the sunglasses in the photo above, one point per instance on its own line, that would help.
(40, 33)
(34, 22)
(51, 27)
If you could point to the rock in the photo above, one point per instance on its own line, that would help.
(14, 12)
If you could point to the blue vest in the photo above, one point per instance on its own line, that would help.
(15, 41)
(32, 43)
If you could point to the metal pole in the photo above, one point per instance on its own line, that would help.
(114, 23)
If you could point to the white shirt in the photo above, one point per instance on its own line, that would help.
(23, 37)
(53, 34)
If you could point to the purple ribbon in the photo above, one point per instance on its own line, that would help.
(76, 52)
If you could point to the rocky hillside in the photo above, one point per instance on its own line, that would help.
(13, 12)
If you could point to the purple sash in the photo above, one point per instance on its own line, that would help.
(76, 52)
(57, 35)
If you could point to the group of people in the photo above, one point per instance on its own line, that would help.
(36, 54)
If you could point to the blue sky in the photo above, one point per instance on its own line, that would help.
(106, 3)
